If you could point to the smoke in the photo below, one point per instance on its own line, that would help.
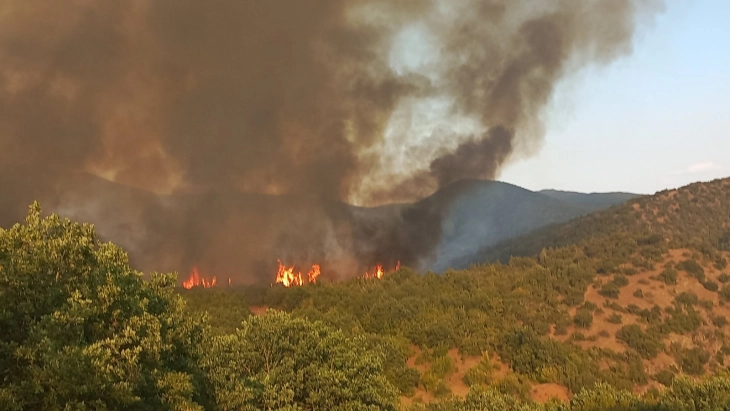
(209, 105)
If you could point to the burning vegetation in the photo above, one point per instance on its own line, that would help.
(196, 280)
(289, 277)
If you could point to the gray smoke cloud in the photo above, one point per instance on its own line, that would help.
(206, 107)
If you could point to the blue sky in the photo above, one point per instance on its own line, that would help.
(659, 118)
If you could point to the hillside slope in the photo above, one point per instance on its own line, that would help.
(634, 297)
(687, 217)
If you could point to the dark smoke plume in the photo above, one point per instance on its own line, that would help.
(210, 108)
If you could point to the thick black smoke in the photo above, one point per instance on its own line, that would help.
(245, 124)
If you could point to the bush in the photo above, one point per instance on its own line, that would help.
(719, 321)
(645, 344)
(711, 285)
(639, 293)
(687, 298)
(615, 318)
(441, 390)
(693, 268)
(725, 293)
(620, 280)
(442, 366)
(693, 361)
(723, 278)
(481, 374)
(583, 318)
(669, 276)
(514, 385)
(664, 377)
(610, 290)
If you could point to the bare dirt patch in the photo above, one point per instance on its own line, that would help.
(258, 310)
(546, 392)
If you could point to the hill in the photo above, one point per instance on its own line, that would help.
(636, 297)
(597, 201)
(496, 211)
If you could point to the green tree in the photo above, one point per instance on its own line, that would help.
(278, 362)
(82, 330)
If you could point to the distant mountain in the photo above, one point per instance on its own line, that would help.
(597, 200)
(689, 216)
(487, 212)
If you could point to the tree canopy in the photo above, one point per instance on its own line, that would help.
(82, 330)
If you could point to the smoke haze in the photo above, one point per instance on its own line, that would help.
(239, 128)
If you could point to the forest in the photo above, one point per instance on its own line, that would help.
(622, 309)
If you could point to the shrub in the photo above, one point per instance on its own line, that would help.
(610, 290)
(639, 293)
(442, 366)
(725, 293)
(620, 280)
(647, 345)
(583, 318)
(723, 278)
(615, 318)
(669, 276)
(687, 298)
(693, 361)
(692, 268)
(664, 377)
(442, 390)
(719, 321)
(711, 285)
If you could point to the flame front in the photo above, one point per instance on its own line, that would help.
(379, 273)
(287, 277)
(314, 273)
(195, 280)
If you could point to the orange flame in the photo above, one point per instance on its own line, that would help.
(379, 273)
(195, 280)
(314, 273)
(287, 277)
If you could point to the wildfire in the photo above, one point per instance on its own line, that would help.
(195, 280)
(289, 277)
(379, 272)
(314, 273)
